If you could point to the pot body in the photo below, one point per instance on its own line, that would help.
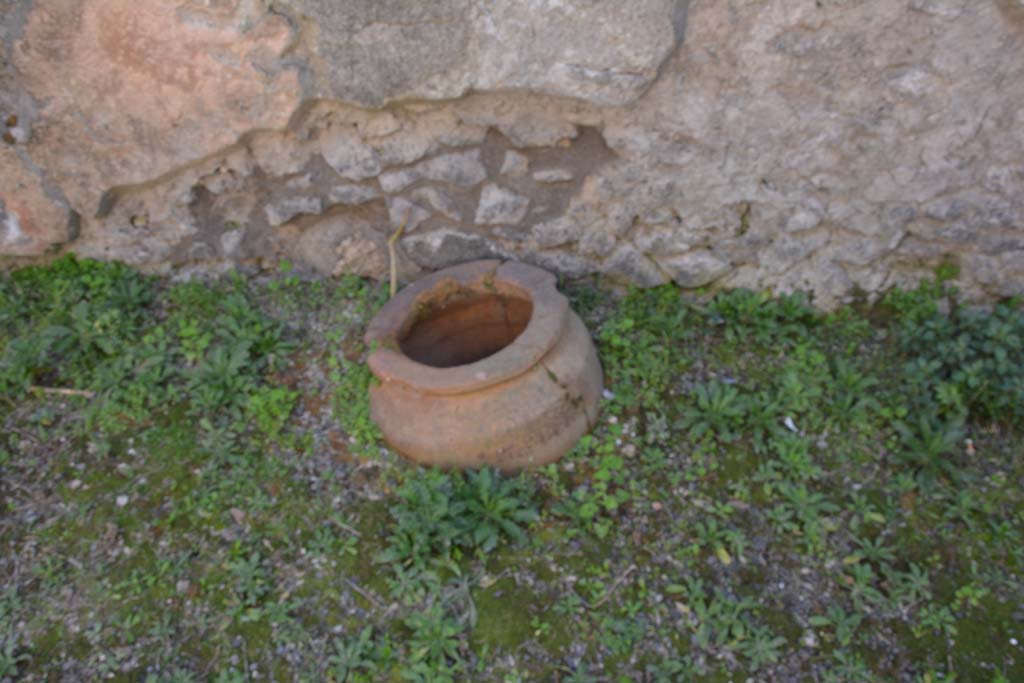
(523, 406)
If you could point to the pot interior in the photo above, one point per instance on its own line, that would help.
(466, 329)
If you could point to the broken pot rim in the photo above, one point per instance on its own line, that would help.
(542, 332)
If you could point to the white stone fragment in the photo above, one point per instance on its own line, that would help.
(553, 175)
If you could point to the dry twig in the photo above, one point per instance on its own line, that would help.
(64, 392)
(611, 589)
(370, 597)
(391, 252)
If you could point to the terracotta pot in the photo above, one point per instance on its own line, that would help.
(483, 364)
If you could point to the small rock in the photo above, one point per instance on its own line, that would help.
(75, 484)
(498, 205)
(121, 500)
(809, 639)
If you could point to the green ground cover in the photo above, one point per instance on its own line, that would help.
(192, 490)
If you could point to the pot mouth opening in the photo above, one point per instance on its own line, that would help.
(466, 328)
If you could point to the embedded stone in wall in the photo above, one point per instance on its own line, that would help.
(695, 269)
(439, 202)
(442, 248)
(515, 164)
(536, 130)
(564, 263)
(340, 244)
(396, 181)
(1003, 273)
(500, 206)
(461, 168)
(350, 157)
(287, 208)
(555, 233)
(352, 195)
(627, 263)
(230, 240)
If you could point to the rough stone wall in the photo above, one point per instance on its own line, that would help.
(825, 145)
